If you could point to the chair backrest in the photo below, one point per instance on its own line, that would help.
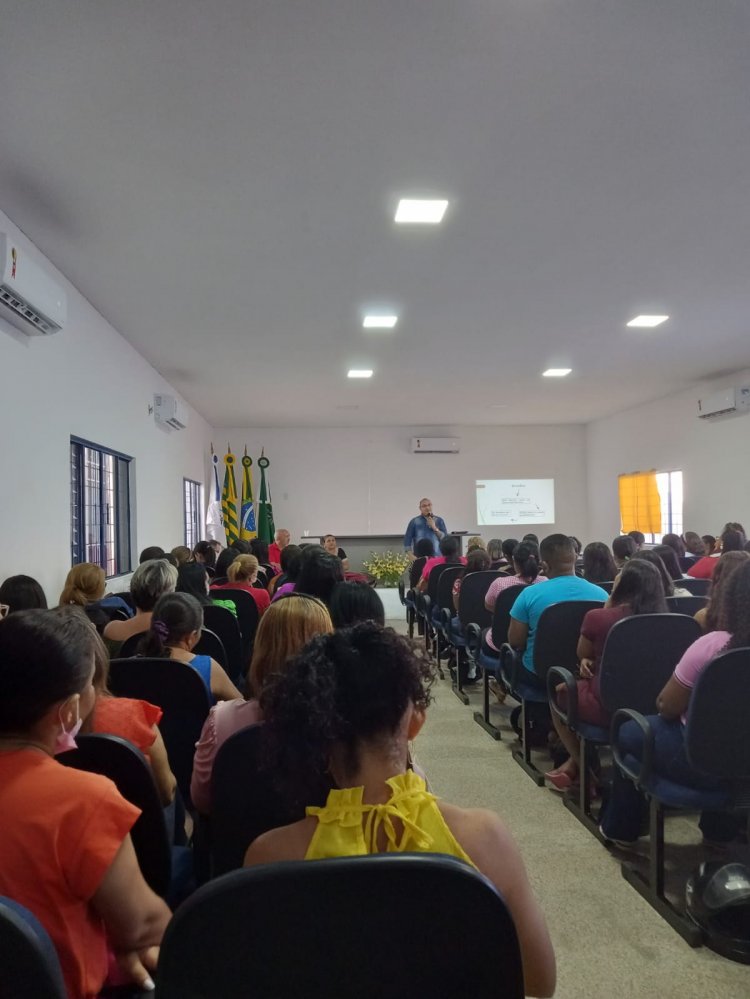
(181, 694)
(434, 577)
(607, 587)
(501, 614)
(444, 592)
(209, 644)
(245, 799)
(557, 634)
(130, 646)
(686, 605)
(247, 616)
(716, 739)
(698, 587)
(640, 654)
(415, 570)
(29, 963)
(333, 927)
(224, 624)
(471, 609)
(124, 764)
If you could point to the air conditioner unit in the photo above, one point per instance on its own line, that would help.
(30, 299)
(170, 412)
(435, 445)
(731, 400)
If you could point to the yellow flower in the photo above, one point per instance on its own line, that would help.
(387, 567)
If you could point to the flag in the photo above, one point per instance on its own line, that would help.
(248, 528)
(229, 499)
(266, 529)
(214, 518)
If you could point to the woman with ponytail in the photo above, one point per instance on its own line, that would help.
(526, 572)
(173, 634)
(348, 706)
(85, 587)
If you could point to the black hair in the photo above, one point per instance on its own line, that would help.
(22, 593)
(598, 564)
(735, 616)
(154, 551)
(526, 558)
(675, 542)
(624, 547)
(259, 549)
(709, 541)
(318, 573)
(476, 561)
(343, 689)
(555, 548)
(638, 536)
(207, 552)
(658, 562)
(640, 587)
(732, 541)
(290, 561)
(450, 546)
(43, 660)
(169, 557)
(669, 558)
(225, 559)
(175, 616)
(576, 543)
(509, 546)
(242, 547)
(535, 537)
(191, 578)
(733, 525)
(423, 548)
(355, 602)
(726, 566)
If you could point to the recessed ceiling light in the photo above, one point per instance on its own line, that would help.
(420, 211)
(647, 321)
(379, 322)
(359, 373)
(556, 372)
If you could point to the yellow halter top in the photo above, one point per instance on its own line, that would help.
(341, 831)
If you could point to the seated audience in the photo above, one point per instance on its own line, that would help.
(475, 541)
(205, 553)
(155, 551)
(355, 602)
(282, 538)
(656, 560)
(284, 582)
(348, 704)
(22, 593)
(266, 571)
(476, 561)
(708, 617)
(174, 632)
(639, 537)
(558, 562)
(598, 564)
(149, 581)
(331, 545)
(709, 544)
(731, 540)
(284, 631)
(193, 579)
(637, 590)
(694, 544)
(67, 855)
(509, 546)
(223, 562)
(495, 552)
(675, 542)
(241, 575)
(623, 816)
(450, 552)
(623, 548)
(318, 573)
(669, 558)
(527, 567)
(85, 587)
(181, 554)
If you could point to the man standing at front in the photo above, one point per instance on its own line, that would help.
(426, 525)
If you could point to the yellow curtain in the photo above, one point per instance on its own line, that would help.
(640, 505)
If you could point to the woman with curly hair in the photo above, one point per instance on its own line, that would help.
(708, 617)
(348, 705)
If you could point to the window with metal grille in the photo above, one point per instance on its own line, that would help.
(193, 512)
(99, 507)
(669, 485)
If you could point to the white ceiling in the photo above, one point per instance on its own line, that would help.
(219, 179)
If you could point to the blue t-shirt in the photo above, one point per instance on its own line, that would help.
(202, 666)
(534, 599)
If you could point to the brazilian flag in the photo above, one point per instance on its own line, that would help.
(266, 528)
(229, 499)
(248, 529)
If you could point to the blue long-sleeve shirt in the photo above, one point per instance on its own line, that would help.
(418, 528)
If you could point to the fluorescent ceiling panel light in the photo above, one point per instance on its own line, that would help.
(379, 322)
(359, 373)
(420, 211)
(556, 372)
(646, 322)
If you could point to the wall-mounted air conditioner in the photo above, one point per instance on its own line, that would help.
(435, 445)
(30, 299)
(731, 400)
(170, 412)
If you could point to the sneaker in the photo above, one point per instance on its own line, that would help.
(622, 844)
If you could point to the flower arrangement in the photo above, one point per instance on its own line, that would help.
(387, 568)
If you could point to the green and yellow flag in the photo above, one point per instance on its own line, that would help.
(229, 499)
(266, 528)
(248, 528)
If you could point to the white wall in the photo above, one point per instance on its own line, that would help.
(366, 480)
(667, 435)
(89, 382)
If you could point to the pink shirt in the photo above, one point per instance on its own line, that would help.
(224, 719)
(437, 560)
(496, 588)
(697, 657)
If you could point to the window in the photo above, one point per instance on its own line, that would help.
(193, 512)
(669, 485)
(99, 507)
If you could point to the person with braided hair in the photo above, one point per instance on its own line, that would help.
(348, 705)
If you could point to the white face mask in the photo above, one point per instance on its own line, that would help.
(66, 739)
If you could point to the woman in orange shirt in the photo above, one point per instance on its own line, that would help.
(65, 840)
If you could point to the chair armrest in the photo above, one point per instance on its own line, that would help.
(621, 716)
(402, 592)
(555, 676)
(473, 640)
(424, 606)
(510, 664)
